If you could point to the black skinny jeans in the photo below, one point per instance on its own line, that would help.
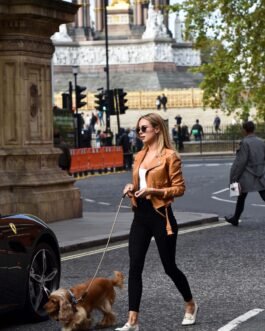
(148, 223)
(240, 204)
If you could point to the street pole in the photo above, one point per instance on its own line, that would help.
(77, 138)
(106, 69)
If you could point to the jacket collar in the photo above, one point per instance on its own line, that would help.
(155, 162)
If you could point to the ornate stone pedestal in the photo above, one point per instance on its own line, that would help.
(119, 20)
(31, 181)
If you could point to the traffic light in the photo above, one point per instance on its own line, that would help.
(80, 96)
(109, 96)
(100, 101)
(65, 101)
(122, 101)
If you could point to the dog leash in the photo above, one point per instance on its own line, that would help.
(73, 299)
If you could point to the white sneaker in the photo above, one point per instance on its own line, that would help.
(128, 327)
(190, 319)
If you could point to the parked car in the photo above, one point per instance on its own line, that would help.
(30, 266)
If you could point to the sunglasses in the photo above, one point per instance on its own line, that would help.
(142, 128)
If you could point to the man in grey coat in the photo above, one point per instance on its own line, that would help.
(248, 169)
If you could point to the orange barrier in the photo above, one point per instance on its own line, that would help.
(91, 159)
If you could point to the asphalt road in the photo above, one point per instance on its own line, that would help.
(225, 267)
(206, 190)
(224, 264)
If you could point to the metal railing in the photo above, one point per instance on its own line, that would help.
(226, 139)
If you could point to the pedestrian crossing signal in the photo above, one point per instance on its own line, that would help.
(100, 101)
(122, 101)
(80, 96)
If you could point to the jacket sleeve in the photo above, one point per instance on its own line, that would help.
(240, 162)
(177, 184)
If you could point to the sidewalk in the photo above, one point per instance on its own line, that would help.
(93, 228)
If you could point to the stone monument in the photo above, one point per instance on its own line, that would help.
(31, 181)
(155, 27)
(120, 18)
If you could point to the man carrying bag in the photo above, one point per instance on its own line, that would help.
(248, 169)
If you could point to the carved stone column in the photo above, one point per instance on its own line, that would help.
(31, 181)
(138, 12)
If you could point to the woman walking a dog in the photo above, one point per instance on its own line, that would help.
(157, 179)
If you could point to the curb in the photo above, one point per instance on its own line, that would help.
(71, 247)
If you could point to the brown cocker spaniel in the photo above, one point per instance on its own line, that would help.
(72, 308)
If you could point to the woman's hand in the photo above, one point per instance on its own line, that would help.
(143, 192)
(128, 190)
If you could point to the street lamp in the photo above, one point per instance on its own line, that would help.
(75, 70)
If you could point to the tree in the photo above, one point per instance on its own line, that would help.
(230, 35)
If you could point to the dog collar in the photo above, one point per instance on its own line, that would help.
(72, 297)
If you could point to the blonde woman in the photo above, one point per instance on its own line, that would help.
(157, 179)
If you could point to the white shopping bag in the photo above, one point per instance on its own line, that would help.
(234, 189)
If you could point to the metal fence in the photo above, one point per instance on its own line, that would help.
(177, 98)
(226, 139)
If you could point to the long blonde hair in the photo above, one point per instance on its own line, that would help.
(157, 122)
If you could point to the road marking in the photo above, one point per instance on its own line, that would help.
(212, 164)
(230, 201)
(243, 318)
(221, 191)
(90, 200)
(257, 205)
(123, 245)
(104, 203)
(192, 165)
(128, 207)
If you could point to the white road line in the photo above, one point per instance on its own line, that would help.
(90, 200)
(234, 323)
(224, 200)
(221, 191)
(192, 165)
(123, 245)
(212, 164)
(104, 203)
(257, 205)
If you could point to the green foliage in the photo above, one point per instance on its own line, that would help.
(230, 35)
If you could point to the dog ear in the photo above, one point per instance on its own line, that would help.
(66, 310)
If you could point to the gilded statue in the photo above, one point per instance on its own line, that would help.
(120, 3)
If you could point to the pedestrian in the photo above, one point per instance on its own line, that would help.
(124, 142)
(98, 138)
(64, 160)
(248, 169)
(197, 131)
(158, 102)
(178, 119)
(185, 132)
(217, 123)
(164, 102)
(93, 122)
(100, 117)
(175, 135)
(157, 180)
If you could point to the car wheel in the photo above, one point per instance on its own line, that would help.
(44, 277)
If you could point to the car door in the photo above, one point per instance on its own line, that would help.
(4, 229)
(19, 237)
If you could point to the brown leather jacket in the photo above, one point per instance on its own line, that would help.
(163, 173)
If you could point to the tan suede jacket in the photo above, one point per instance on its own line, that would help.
(163, 173)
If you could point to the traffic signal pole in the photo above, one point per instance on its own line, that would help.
(106, 69)
(77, 138)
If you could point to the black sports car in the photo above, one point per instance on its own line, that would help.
(30, 266)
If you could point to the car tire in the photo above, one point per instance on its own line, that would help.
(44, 277)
